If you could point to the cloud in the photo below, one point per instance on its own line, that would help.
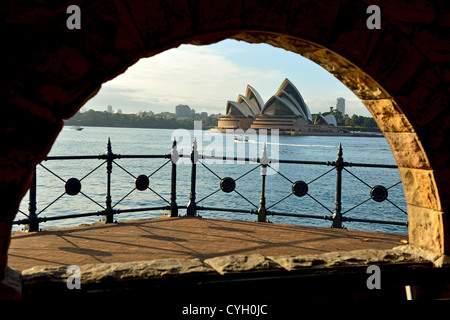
(205, 77)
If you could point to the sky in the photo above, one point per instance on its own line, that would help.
(206, 77)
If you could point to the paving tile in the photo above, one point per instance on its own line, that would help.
(183, 238)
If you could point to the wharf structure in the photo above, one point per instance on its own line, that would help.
(285, 111)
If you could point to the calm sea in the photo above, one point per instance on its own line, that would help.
(356, 202)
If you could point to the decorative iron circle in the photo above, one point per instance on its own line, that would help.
(300, 188)
(72, 186)
(227, 184)
(142, 182)
(379, 193)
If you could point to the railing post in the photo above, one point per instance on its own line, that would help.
(108, 217)
(337, 216)
(191, 209)
(262, 203)
(173, 211)
(33, 224)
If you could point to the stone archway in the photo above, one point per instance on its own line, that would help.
(400, 72)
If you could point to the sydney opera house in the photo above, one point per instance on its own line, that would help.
(285, 111)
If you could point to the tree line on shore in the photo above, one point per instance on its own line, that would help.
(106, 119)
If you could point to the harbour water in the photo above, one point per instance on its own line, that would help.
(356, 181)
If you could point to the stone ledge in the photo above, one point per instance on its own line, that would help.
(11, 285)
(356, 258)
(119, 271)
(244, 274)
(244, 263)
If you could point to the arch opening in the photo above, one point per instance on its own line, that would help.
(399, 77)
(390, 119)
(143, 71)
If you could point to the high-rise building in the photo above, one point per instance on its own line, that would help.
(285, 111)
(340, 105)
(110, 109)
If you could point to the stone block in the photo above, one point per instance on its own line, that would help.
(66, 66)
(345, 71)
(412, 11)
(435, 137)
(217, 15)
(424, 96)
(407, 150)
(443, 18)
(271, 15)
(28, 130)
(144, 269)
(161, 22)
(442, 178)
(420, 188)
(349, 28)
(393, 60)
(15, 180)
(11, 285)
(109, 37)
(313, 20)
(42, 47)
(426, 228)
(355, 258)
(433, 42)
(91, 274)
(362, 85)
(388, 115)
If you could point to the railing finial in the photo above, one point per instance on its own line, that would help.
(109, 147)
(337, 215)
(194, 153)
(264, 160)
(174, 155)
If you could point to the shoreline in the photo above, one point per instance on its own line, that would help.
(323, 134)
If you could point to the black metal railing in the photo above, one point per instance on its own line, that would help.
(299, 188)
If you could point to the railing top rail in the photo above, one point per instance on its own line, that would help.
(201, 156)
(299, 188)
(105, 156)
(325, 163)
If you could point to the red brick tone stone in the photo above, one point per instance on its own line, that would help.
(401, 72)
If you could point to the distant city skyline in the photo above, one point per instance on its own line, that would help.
(206, 77)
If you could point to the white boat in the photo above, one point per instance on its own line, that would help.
(240, 139)
(77, 128)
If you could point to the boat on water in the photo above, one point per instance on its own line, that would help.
(240, 139)
(76, 128)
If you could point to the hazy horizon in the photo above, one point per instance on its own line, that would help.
(206, 77)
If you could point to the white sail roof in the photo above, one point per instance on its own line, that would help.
(329, 119)
(287, 101)
(288, 87)
(278, 106)
(249, 105)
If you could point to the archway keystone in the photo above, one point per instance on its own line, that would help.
(400, 72)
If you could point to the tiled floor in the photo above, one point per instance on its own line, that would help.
(183, 238)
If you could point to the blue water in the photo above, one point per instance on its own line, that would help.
(126, 141)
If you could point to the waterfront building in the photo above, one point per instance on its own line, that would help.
(183, 111)
(340, 105)
(285, 111)
(241, 113)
